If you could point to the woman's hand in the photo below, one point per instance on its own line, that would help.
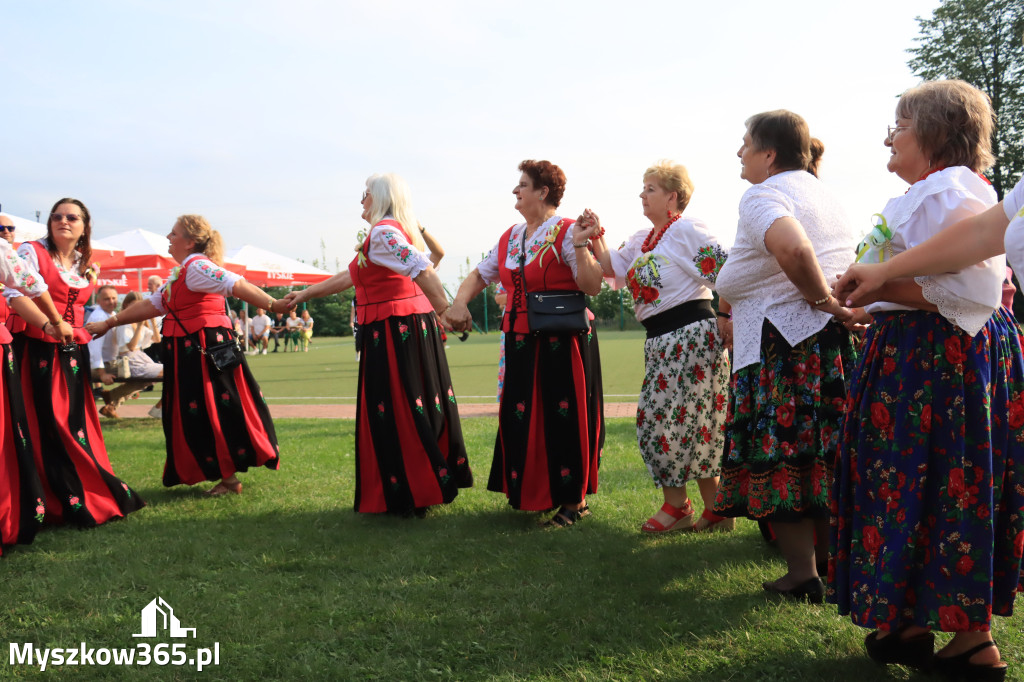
(858, 323)
(836, 309)
(587, 226)
(856, 286)
(725, 331)
(459, 317)
(290, 301)
(63, 331)
(97, 329)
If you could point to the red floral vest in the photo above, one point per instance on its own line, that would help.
(554, 274)
(195, 309)
(382, 292)
(65, 297)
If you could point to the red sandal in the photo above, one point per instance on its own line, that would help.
(710, 522)
(683, 519)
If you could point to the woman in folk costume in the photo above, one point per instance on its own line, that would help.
(64, 428)
(22, 505)
(409, 449)
(928, 505)
(216, 422)
(551, 422)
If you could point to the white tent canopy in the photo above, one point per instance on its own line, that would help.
(272, 269)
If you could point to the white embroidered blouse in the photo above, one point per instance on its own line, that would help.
(681, 267)
(753, 281)
(71, 277)
(539, 245)
(966, 298)
(390, 249)
(205, 276)
(18, 276)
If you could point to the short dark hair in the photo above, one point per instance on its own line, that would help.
(787, 134)
(546, 174)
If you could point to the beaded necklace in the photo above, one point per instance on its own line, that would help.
(655, 235)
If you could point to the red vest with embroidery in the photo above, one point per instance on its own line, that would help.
(382, 292)
(67, 299)
(5, 312)
(195, 309)
(553, 275)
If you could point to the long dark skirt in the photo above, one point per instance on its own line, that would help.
(928, 509)
(216, 423)
(22, 504)
(550, 421)
(785, 414)
(409, 448)
(64, 431)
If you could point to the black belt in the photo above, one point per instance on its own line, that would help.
(678, 317)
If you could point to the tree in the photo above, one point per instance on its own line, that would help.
(979, 41)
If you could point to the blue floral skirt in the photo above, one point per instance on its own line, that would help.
(927, 526)
(782, 431)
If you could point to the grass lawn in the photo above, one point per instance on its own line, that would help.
(327, 373)
(293, 585)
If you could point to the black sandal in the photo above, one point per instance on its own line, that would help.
(566, 517)
(915, 652)
(959, 667)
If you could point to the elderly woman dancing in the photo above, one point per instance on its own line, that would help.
(680, 420)
(410, 454)
(929, 493)
(791, 358)
(216, 421)
(550, 423)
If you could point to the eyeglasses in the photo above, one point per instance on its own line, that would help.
(70, 217)
(893, 130)
(6, 228)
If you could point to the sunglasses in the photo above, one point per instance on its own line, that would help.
(70, 217)
(6, 228)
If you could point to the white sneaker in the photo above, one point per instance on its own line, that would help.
(264, 351)
(155, 412)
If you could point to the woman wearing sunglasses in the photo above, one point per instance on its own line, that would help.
(63, 424)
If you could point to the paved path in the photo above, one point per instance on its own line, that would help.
(466, 410)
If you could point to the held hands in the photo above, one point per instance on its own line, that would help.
(289, 301)
(860, 284)
(725, 332)
(97, 329)
(587, 226)
(458, 318)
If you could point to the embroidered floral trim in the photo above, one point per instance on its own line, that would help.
(401, 250)
(709, 261)
(643, 279)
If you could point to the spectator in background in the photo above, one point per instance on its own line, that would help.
(153, 350)
(277, 332)
(6, 232)
(103, 351)
(294, 331)
(307, 330)
(260, 334)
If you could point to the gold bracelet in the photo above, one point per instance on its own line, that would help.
(821, 300)
(272, 302)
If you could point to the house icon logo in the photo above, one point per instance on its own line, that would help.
(158, 614)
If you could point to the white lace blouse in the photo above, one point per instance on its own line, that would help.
(1013, 206)
(681, 267)
(968, 297)
(539, 245)
(753, 281)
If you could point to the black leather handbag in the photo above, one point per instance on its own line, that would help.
(553, 312)
(223, 356)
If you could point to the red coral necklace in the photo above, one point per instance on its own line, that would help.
(655, 235)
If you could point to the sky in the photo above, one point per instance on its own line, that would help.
(267, 117)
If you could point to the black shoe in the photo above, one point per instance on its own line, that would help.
(916, 652)
(959, 667)
(810, 590)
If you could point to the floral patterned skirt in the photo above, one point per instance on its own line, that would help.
(550, 421)
(64, 431)
(784, 418)
(216, 423)
(409, 448)
(680, 417)
(929, 493)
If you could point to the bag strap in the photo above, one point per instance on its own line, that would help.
(167, 304)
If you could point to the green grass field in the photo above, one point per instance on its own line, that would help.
(293, 585)
(327, 373)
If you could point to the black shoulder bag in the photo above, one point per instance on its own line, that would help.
(560, 311)
(223, 356)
